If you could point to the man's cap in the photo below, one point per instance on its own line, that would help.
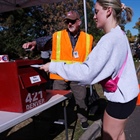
(72, 15)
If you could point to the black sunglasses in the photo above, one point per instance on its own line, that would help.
(70, 21)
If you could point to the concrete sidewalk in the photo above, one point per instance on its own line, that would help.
(132, 129)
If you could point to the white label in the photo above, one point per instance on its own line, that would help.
(75, 54)
(35, 79)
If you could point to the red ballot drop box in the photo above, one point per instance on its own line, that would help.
(22, 86)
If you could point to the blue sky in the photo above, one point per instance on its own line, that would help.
(135, 5)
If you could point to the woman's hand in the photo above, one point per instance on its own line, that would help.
(45, 67)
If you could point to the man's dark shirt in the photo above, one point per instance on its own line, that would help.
(45, 43)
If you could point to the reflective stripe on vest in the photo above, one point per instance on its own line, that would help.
(58, 45)
(87, 45)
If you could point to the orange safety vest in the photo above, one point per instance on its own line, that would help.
(62, 50)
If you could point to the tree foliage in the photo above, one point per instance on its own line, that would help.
(18, 27)
(137, 26)
(130, 37)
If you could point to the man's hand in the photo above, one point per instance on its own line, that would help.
(29, 45)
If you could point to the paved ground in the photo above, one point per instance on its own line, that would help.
(132, 129)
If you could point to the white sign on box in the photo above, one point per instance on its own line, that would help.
(35, 79)
(4, 58)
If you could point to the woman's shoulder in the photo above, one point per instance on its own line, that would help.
(114, 36)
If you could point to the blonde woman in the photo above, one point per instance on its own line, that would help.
(105, 61)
